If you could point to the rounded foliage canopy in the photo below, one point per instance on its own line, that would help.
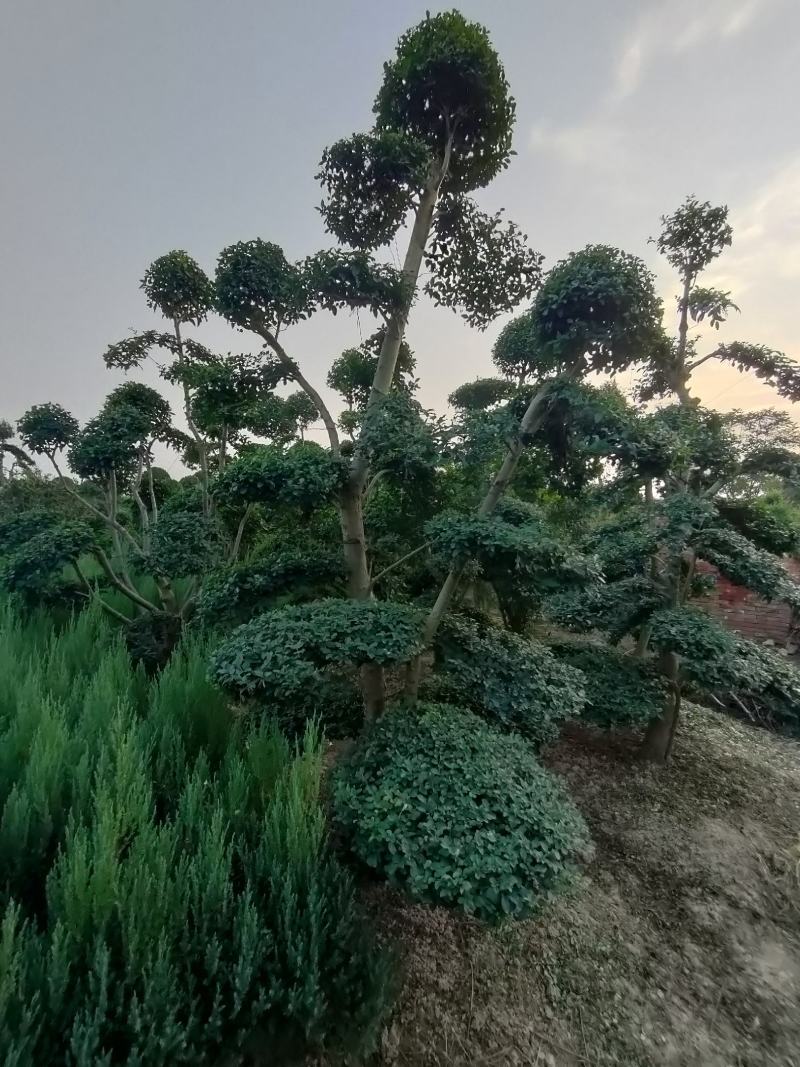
(455, 813)
(446, 80)
(599, 307)
(481, 394)
(694, 235)
(371, 180)
(286, 650)
(175, 285)
(514, 683)
(257, 287)
(304, 476)
(47, 428)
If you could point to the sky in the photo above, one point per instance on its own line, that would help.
(131, 128)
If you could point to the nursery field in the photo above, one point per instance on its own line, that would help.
(364, 733)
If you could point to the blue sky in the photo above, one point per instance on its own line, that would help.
(131, 128)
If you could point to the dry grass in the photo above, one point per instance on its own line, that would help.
(680, 945)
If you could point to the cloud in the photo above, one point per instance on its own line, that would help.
(675, 28)
(660, 30)
(597, 141)
(765, 254)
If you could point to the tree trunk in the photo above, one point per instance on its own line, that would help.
(390, 349)
(202, 451)
(352, 518)
(359, 587)
(660, 735)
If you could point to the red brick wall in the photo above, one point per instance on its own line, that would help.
(746, 612)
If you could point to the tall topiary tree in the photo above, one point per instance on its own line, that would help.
(596, 311)
(444, 118)
(9, 450)
(691, 239)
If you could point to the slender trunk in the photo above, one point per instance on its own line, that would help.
(645, 630)
(681, 375)
(237, 541)
(296, 375)
(531, 421)
(390, 348)
(112, 523)
(187, 411)
(359, 587)
(660, 735)
(152, 490)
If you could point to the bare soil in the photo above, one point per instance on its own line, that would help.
(679, 944)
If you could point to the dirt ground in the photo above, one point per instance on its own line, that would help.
(679, 945)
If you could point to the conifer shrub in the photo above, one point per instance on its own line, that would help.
(455, 813)
(168, 894)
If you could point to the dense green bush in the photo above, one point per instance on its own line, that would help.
(234, 594)
(455, 813)
(620, 690)
(168, 893)
(285, 651)
(767, 685)
(514, 683)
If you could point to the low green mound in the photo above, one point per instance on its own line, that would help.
(620, 690)
(455, 813)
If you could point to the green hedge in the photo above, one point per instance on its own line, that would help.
(168, 892)
(455, 813)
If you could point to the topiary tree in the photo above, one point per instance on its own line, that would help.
(175, 286)
(443, 129)
(692, 478)
(596, 311)
(8, 449)
(123, 534)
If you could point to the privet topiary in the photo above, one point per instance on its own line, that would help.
(455, 813)
(285, 651)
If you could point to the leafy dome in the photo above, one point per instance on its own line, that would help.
(176, 285)
(446, 78)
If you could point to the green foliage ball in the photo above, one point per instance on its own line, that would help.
(176, 285)
(47, 428)
(304, 476)
(446, 78)
(257, 287)
(284, 651)
(514, 683)
(454, 813)
(599, 307)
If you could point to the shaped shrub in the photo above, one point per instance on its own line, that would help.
(284, 651)
(455, 813)
(620, 691)
(514, 683)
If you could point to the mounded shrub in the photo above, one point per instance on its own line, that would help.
(515, 683)
(168, 894)
(283, 652)
(620, 690)
(455, 813)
